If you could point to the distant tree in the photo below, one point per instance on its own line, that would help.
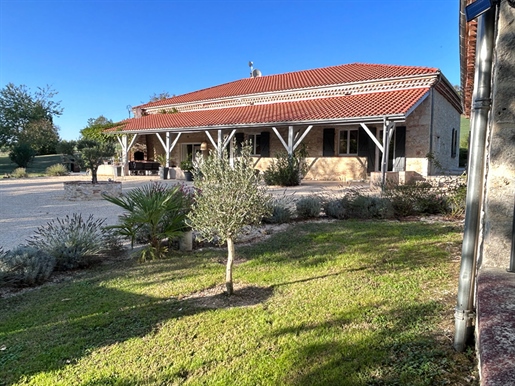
(92, 154)
(95, 130)
(159, 97)
(68, 150)
(226, 199)
(19, 108)
(42, 135)
(66, 147)
(22, 154)
(457, 87)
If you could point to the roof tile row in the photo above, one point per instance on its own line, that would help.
(324, 109)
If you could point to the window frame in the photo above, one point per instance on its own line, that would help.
(256, 145)
(454, 143)
(348, 139)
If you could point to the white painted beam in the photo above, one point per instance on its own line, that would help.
(367, 130)
(299, 141)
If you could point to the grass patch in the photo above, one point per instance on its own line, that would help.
(36, 168)
(464, 132)
(336, 303)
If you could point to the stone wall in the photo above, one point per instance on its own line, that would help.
(445, 119)
(418, 130)
(499, 198)
(85, 190)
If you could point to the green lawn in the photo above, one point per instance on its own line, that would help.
(37, 167)
(464, 132)
(326, 303)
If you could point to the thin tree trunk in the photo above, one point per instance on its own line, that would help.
(94, 179)
(228, 270)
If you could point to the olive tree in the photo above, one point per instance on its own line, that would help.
(92, 154)
(227, 197)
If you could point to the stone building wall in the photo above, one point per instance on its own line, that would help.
(445, 119)
(418, 126)
(499, 197)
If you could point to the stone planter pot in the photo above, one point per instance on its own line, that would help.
(188, 176)
(186, 242)
(163, 173)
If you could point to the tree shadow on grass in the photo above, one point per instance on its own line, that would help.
(55, 327)
(392, 352)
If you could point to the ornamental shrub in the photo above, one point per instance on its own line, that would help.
(286, 169)
(22, 154)
(279, 214)
(369, 207)
(309, 207)
(153, 213)
(72, 241)
(57, 170)
(416, 198)
(336, 208)
(20, 173)
(25, 266)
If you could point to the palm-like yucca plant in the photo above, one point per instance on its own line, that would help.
(155, 209)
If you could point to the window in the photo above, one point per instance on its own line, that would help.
(454, 143)
(255, 141)
(190, 151)
(348, 143)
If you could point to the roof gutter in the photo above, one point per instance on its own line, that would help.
(479, 121)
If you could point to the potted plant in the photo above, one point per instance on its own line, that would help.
(163, 168)
(187, 167)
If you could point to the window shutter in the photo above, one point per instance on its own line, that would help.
(265, 144)
(367, 148)
(400, 149)
(328, 145)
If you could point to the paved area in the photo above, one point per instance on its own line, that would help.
(26, 204)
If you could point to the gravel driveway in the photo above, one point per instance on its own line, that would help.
(26, 204)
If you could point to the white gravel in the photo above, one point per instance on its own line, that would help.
(26, 204)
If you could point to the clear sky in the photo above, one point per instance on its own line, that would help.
(105, 55)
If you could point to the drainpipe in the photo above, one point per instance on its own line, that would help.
(479, 121)
(512, 257)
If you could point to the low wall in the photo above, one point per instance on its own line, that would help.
(85, 190)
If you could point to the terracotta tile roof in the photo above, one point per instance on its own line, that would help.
(335, 75)
(343, 108)
(468, 38)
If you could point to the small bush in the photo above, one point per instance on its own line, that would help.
(57, 170)
(417, 199)
(369, 207)
(280, 214)
(456, 198)
(309, 207)
(112, 241)
(72, 241)
(22, 154)
(336, 208)
(19, 173)
(287, 170)
(25, 266)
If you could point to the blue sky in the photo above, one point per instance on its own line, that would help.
(103, 55)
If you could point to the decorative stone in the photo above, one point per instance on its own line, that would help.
(85, 190)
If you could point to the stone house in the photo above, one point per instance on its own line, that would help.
(342, 116)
